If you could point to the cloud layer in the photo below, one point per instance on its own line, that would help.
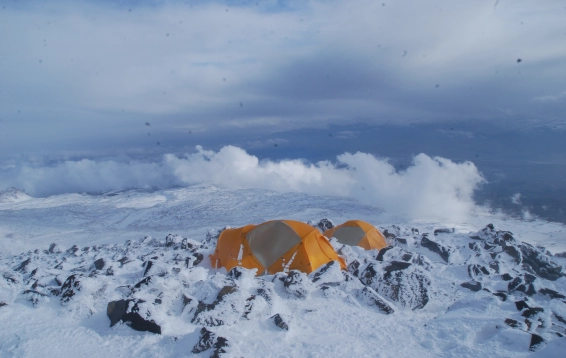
(83, 74)
(429, 188)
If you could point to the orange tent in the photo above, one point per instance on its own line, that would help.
(274, 246)
(357, 232)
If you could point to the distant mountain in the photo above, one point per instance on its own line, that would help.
(13, 195)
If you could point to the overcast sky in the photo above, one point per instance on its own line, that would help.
(93, 75)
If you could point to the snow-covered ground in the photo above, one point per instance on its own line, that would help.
(404, 301)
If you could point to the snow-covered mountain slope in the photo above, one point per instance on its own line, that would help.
(73, 264)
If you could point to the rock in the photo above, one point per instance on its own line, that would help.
(279, 322)
(536, 342)
(399, 281)
(514, 253)
(382, 252)
(551, 293)
(396, 266)
(147, 266)
(324, 224)
(235, 273)
(399, 241)
(23, 266)
(202, 314)
(502, 296)
(2, 304)
(540, 264)
(512, 323)
(371, 298)
(127, 311)
(353, 268)
(144, 282)
(521, 305)
(296, 283)
(472, 286)
(69, 287)
(328, 273)
(475, 270)
(506, 277)
(443, 231)
(532, 311)
(388, 235)
(99, 264)
(35, 296)
(206, 341)
(54, 249)
(443, 252)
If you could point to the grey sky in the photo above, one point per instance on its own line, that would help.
(88, 75)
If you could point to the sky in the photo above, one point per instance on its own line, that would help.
(126, 81)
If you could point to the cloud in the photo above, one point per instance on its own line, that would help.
(93, 72)
(429, 188)
(551, 98)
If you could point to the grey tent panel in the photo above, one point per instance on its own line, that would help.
(349, 235)
(269, 241)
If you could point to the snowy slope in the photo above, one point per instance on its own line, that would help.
(403, 301)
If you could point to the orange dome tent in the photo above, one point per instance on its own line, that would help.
(274, 246)
(357, 232)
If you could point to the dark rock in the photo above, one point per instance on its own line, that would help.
(324, 225)
(279, 322)
(414, 231)
(370, 297)
(443, 231)
(22, 267)
(532, 311)
(205, 307)
(235, 273)
(354, 268)
(295, 283)
(512, 323)
(170, 240)
(127, 311)
(186, 245)
(560, 318)
(551, 293)
(110, 271)
(443, 252)
(476, 270)
(267, 296)
(521, 305)
(10, 278)
(226, 290)
(115, 311)
(475, 237)
(187, 300)
(506, 277)
(323, 270)
(145, 281)
(54, 248)
(502, 296)
(219, 346)
(494, 265)
(198, 257)
(536, 341)
(490, 227)
(472, 286)
(401, 241)
(399, 283)
(513, 285)
(2, 304)
(148, 264)
(541, 265)
(388, 235)
(124, 260)
(34, 296)
(474, 246)
(488, 247)
(69, 288)
(99, 264)
(514, 253)
(396, 266)
(158, 301)
(382, 252)
(529, 278)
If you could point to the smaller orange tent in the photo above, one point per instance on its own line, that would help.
(358, 233)
(274, 246)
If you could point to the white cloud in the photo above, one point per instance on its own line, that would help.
(516, 198)
(551, 98)
(429, 188)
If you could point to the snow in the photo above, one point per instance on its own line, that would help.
(328, 313)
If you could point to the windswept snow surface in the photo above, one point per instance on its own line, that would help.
(401, 302)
